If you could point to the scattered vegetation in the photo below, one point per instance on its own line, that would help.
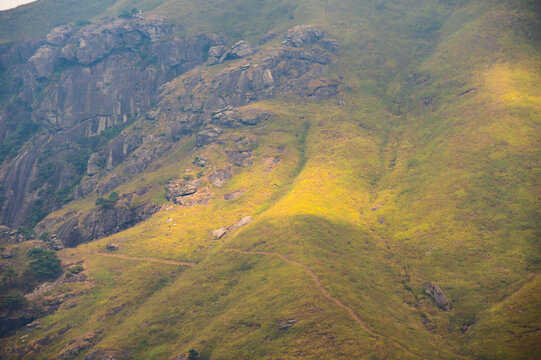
(373, 210)
(126, 14)
(108, 202)
(44, 265)
(74, 270)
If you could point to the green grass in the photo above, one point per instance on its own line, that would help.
(376, 196)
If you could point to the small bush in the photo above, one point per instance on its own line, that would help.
(108, 202)
(9, 278)
(74, 270)
(193, 355)
(13, 301)
(44, 265)
(126, 14)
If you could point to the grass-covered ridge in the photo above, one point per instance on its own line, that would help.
(427, 170)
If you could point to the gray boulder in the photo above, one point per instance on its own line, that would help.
(436, 293)
(56, 243)
(242, 49)
(241, 157)
(242, 222)
(219, 177)
(113, 247)
(233, 118)
(207, 135)
(200, 161)
(179, 188)
(303, 35)
(219, 233)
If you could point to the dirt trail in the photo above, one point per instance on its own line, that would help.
(162, 261)
(325, 292)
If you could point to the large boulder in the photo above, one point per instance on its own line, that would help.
(179, 188)
(219, 177)
(433, 290)
(207, 135)
(303, 35)
(233, 118)
(240, 157)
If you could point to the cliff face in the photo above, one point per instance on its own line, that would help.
(77, 84)
(81, 87)
(200, 102)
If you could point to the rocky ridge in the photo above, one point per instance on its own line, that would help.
(192, 101)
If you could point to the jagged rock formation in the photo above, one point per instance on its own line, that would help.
(78, 84)
(77, 228)
(107, 74)
(175, 190)
(433, 290)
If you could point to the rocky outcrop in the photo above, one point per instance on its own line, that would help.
(285, 324)
(79, 344)
(436, 293)
(77, 228)
(10, 236)
(219, 177)
(122, 74)
(241, 49)
(55, 243)
(303, 35)
(200, 161)
(245, 220)
(240, 157)
(113, 247)
(175, 190)
(219, 233)
(234, 118)
(79, 84)
(207, 135)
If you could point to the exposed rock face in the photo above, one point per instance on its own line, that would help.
(436, 293)
(303, 35)
(56, 243)
(79, 344)
(322, 88)
(103, 75)
(219, 177)
(285, 324)
(200, 161)
(10, 235)
(219, 233)
(113, 247)
(242, 222)
(234, 118)
(241, 49)
(129, 60)
(77, 228)
(179, 188)
(207, 135)
(242, 157)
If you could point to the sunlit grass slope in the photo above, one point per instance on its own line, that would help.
(427, 171)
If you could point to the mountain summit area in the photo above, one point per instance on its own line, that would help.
(280, 179)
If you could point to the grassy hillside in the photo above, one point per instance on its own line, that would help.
(427, 170)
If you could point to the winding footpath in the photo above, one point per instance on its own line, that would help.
(157, 260)
(325, 292)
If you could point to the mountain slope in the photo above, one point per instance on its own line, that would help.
(421, 167)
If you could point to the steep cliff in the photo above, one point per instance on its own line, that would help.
(79, 89)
